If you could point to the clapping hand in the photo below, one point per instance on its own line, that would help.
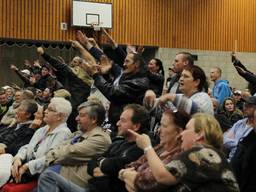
(91, 69)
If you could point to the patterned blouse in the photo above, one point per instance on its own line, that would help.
(202, 169)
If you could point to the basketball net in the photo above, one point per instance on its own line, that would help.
(95, 26)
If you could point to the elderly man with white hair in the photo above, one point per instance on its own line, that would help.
(29, 161)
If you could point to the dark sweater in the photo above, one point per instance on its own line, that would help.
(120, 153)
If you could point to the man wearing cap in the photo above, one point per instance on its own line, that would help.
(238, 98)
(241, 128)
(46, 80)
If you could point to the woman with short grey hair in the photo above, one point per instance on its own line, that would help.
(62, 106)
(30, 158)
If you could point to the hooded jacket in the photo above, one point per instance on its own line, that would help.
(221, 90)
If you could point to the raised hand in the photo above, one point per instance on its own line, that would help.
(233, 57)
(131, 49)
(92, 41)
(37, 63)
(140, 49)
(40, 50)
(105, 64)
(32, 80)
(27, 63)
(76, 44)
(109, 38)
(81, 38)
(61, 59)
(91, 69)
(13, 67)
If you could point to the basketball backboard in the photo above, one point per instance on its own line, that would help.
(88, 14)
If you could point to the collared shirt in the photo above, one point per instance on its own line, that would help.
(240, 130)
(19, 125)
(40, 144)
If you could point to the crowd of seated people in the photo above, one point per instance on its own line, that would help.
(56, 132)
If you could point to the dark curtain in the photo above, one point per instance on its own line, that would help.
(16, 53)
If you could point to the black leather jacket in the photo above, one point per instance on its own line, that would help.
(14, 139)
(130, 89)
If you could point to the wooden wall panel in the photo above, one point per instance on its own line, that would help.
(193, 24)
(143, 22)
(214, 24)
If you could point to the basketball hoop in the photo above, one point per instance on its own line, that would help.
(95, 26)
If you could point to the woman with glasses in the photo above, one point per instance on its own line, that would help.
(29, 161)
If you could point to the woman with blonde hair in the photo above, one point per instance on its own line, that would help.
(200, 167)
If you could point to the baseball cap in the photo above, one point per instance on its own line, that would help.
(250, 100)
(237, 92)
(26, 71)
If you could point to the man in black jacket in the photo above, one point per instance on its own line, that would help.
(245, 73)
(129, 87)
